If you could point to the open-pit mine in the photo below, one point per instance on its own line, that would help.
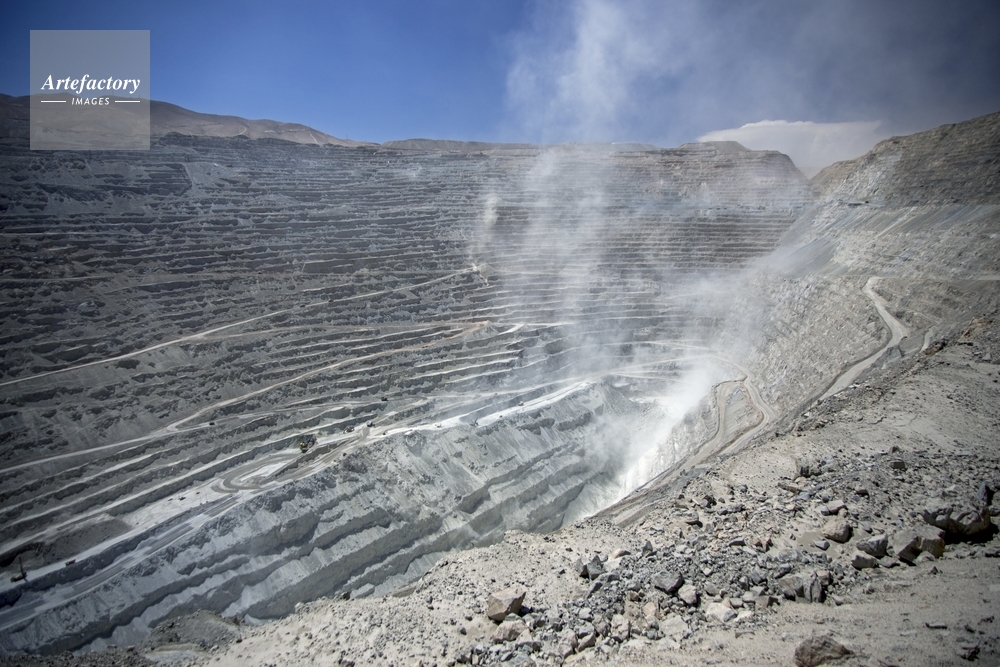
(239, 374)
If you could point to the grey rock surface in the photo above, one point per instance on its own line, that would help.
(262, 347)
(668, 582)
(967, 517)
(875, 545)
(720, 612)
(819, 650)
(241, 374)
(908, 544)
(510, 630)
(503, 603)
(864, 561)
(837, 529)
(688, 594)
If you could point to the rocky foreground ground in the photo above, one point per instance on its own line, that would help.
(863, 532)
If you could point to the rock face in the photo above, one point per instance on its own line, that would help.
(897, 172)
(908, 188)
(240, 374)
(260, 372)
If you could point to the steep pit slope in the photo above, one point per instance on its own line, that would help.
(901, 250)
(239, 374)
(882, 321)
(949, 164)
(915, 225)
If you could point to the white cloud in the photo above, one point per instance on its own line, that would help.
(812, 146)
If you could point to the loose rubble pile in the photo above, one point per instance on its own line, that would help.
(112, 657)
(723, 566)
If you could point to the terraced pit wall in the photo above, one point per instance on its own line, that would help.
(240, 374)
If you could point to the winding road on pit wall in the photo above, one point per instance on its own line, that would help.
(634, 508)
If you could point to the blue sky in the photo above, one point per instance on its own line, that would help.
(819, 72)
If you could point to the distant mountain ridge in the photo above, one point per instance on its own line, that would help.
(165, 118)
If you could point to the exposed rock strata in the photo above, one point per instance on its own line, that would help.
(240, 374)
(352, 511)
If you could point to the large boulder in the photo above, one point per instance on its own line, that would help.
(503, 603)
(621, 628)
(875, 545)
(805, 586)
(591, 569)
(668, 582)
(911, 542)
(863, 561)
(818, 650)
(674, 627)
(960, 517)
(837, 529)
(688, 595)
(509, 630)
(720, 612)
(806, 466)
